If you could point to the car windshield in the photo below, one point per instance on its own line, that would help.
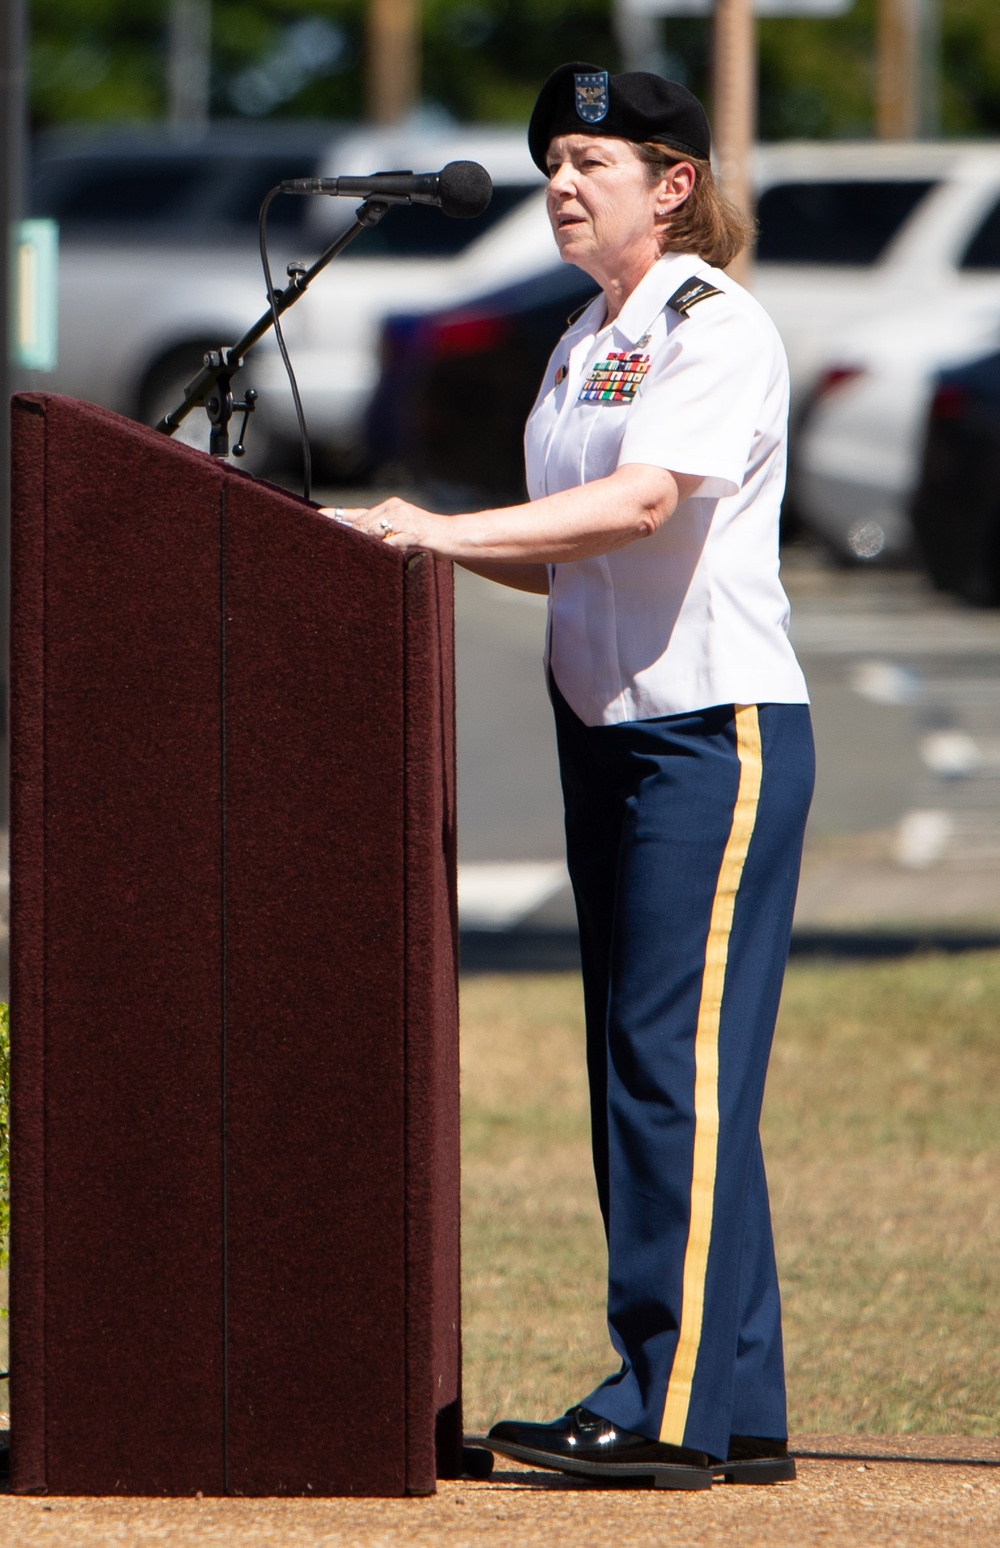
(147, 195)
(421, 231)
(836, 221)
(983, 252)
(150, 197)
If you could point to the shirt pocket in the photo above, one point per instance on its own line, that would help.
(601, 432)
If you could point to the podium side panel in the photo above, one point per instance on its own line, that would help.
(132, 960)
(27, 871)
(432, 1091)
(314, 882)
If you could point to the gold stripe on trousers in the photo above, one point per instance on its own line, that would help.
(706, 1078)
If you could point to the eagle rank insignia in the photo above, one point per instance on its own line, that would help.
(592, 96)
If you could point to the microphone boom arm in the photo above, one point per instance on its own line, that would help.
(221, 365)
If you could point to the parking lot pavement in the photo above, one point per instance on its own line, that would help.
(905, 827)
(906, 706)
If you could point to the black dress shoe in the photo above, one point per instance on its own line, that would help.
(584, 1443)
(754, 1459)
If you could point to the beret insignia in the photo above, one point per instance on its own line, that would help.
(581, 98)
(592, 96)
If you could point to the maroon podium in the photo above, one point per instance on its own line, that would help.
(235, 1199)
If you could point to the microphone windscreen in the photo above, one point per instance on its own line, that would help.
(465, 189)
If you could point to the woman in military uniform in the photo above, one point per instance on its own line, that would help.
(655, 465)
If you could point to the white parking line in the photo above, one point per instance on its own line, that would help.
(497, 896)
(951, 754)
(921, 838)
(885, 682)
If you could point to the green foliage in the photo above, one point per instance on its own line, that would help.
(485, 59)
(482, 59)
(971, 67)
(96, 60)
(4, 1132)
(817, 76)
(105, 60)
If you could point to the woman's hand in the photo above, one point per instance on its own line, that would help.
(407, 526)
(595, 518)
(397, 523)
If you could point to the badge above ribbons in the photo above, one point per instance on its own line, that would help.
(592, 96)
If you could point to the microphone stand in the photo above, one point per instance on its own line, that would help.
(212, 387)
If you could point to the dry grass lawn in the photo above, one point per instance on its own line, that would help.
(882, 1136)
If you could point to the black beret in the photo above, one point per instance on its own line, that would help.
(638, 106)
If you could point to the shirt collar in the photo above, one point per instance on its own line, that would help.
(589, 322)
(653, 292)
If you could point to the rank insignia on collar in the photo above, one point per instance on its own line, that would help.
(561, 375)
(616, 379)
(690, 293)
(592, 96)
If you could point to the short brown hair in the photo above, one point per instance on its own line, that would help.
(707, 223)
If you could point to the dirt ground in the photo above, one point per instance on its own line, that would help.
(852, 1492)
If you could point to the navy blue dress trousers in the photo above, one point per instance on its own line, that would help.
(684, 838)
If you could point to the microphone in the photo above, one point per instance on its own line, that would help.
(462, 189)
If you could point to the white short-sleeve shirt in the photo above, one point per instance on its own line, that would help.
(695, 615)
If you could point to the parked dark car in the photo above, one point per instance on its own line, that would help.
(139, 186)
(457, 385)
(956, 508)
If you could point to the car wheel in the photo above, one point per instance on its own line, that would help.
(163, 389)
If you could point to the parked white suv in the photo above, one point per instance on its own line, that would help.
(159, 262)
(933, 300)
(159, 257)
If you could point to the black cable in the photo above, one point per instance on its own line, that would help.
(276, 320)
